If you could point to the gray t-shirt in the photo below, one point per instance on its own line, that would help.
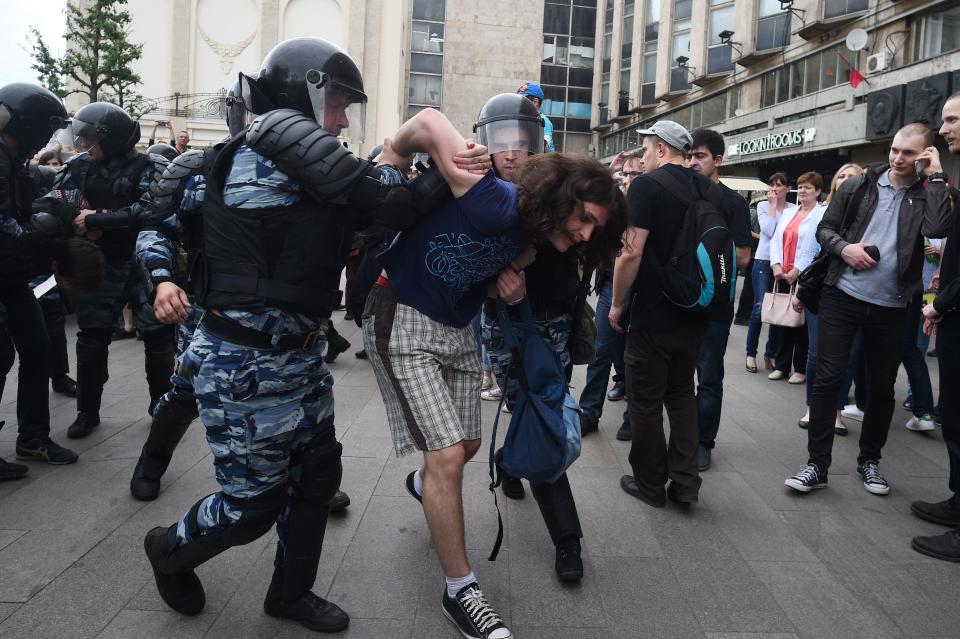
(880, 284)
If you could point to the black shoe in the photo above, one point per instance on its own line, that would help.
(945, 546)
(120, 333)
(569, 565)
(873, 481)
(337, 344)
(83, 425)
(618, 392)
(339, 502)
(704, 457)
(473, 616)
(656, 498)
(588, 424)
(143, 488)
(310, 611)
(680, 496)
(64, 385)
(9, 470)
(45, 449)
(807, 479)
(624, 433)
(182, 591)
(411, 489)
(348, 316)
(512, 487)
(803, 423)
(741, 321)
(361, 354)
(940, 512)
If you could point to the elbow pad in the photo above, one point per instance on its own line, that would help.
(406, 205)
(167, 189)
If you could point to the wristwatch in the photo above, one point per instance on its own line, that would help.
(937, 177)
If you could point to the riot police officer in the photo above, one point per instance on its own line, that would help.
(278, 201)
(29, 116)
(174, 224)
(110, 182)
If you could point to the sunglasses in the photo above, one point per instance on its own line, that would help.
(632, 174)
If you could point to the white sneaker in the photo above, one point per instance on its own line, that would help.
(922, 424)
(797, 378)
(491, 394)
(850, 411)
(777, 374)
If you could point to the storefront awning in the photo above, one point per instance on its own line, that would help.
(744, 184)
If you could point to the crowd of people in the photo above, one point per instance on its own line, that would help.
(229, 261)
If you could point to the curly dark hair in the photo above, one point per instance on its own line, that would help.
(554, 186)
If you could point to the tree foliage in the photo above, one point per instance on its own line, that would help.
(99, 55)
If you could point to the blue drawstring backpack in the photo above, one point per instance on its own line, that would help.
(543, 438)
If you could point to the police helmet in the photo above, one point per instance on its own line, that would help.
(510, 122)
(237, 114)
(30, 114)
(164, 150)
(107, 125)
(314, 77)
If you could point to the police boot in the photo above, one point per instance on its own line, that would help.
(172, 416)
(560, 515)
(181, 590)
(314, 476)
(159, 353)
(336, 344)
(92, 374)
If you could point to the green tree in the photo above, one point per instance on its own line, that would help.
(99, 55)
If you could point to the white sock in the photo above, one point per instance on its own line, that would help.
(456, 585)
(418, 482)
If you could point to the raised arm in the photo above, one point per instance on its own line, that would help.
(431, 132)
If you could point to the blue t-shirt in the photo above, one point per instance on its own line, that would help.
(442, 265)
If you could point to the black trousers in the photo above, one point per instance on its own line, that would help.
(841, 316)
(660, 367)
(55, 317)
(29, 335)
(948, 353)
(794, 343)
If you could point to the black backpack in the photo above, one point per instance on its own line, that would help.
(701, 274)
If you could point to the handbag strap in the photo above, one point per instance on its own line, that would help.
(495, 480)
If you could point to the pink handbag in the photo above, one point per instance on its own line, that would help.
(778, 309)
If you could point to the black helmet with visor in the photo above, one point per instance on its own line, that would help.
(30, 114)
(510, 122)
(107, 125)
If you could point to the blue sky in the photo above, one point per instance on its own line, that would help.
(15, 21)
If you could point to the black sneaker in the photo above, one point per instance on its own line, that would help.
(411, 487)
(569, 565)
(618, 392)
(704, 458)
(9, 470)
(64, 385)
(807, 479)
(512, 487)
(339, 502)
(656, 497)
(873, 481)
(588, 424)
(83, 425)
(473, 616)
(182, 591)
(625, 433)
(46, 450)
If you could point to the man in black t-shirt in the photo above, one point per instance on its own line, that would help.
(663, 340)
(705, 157)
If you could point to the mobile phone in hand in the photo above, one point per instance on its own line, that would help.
(920, 166)
(873, 252)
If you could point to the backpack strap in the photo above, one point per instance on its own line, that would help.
(679, 190)
(495, 480)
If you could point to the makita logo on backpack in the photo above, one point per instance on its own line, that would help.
(722, 259)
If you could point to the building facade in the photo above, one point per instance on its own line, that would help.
(774, 76)
(194, 49)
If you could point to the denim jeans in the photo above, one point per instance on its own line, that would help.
(710, 380)
(762, 283)
(482, 349)
(915, 362)
(609, 346)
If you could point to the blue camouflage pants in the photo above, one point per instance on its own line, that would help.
(258, 407)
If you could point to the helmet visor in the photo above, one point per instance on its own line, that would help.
(85, 134)
(511, 135)
(340, 110)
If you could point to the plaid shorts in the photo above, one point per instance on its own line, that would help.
(429, 374)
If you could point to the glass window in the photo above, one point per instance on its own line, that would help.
(648, 93)
(768, 96)
(773, 32)
(628, 7)
(607, 53)
(625, 80)
(938, 33)
(733, 101)
(652, 11)
(719, 59)
(553, 75)
(682, 9)
(836, 8)
(428, 10)
(608, 16)
(811, 83)
(605, 93)
(578, 103)
(796, 79)
(720, 20)
(713, 110)
(427, 37)
(581, 77)
(425, 89)
(769, 7)
(681, 47)
(581, 52)
(556, 18)
(584, 22)
(828, 68)
(426, 63)
(651, 33)
(679, 79)
(626, 42)
(783, 84)
(554, 101)
(650, 68)
(555, 49)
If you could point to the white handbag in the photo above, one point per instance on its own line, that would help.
(778, 309)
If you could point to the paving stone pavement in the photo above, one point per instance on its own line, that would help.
(752, 560)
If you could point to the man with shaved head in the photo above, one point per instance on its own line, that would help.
(873, 231)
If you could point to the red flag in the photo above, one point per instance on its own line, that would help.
(855, 78)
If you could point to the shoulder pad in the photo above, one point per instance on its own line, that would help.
(306, 152)
(168, 188)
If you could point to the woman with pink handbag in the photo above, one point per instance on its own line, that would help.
(793, 247)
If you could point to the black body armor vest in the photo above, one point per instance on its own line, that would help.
(256, 258)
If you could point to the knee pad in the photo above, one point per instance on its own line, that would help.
(319, 471)
(258, 515)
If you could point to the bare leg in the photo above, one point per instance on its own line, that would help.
(443, 504)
